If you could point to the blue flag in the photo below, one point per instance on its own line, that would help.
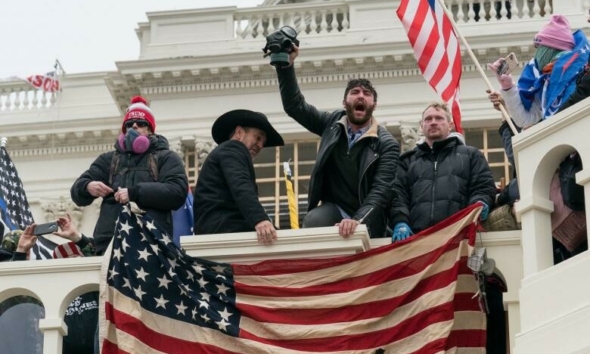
(533, 83)
(182, 219)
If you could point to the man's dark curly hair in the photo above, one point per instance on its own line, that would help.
(358, 83)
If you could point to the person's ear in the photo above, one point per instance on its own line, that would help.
(239, 132)
(452, 125)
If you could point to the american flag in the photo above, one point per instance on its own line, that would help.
(14, 206)
(415, 296)
(436, 49)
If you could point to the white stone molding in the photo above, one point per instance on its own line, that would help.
(411, 134)
(64, 205)
(203, 146)
(176, 145)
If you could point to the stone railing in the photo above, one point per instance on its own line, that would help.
(55, 283)
(469, 11)
(19, 95)
(306, 19)
(335, 17)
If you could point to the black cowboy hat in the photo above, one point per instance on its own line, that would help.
(227, 122)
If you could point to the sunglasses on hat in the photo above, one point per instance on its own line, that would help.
(140, 123)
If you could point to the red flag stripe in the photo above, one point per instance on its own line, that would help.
(370, 263)
(404, 272)
(458, 223)
(436, 48)
(365, 310)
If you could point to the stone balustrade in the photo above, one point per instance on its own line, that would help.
(19, 95)
(471, 11)
(309, 19)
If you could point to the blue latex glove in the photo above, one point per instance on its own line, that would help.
(485, 212)
(401, 231)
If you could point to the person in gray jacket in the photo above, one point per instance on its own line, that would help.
(357, 159)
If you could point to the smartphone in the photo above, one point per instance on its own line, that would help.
(44, 229)
(508, 64)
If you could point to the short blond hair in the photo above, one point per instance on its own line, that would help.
(438, 106)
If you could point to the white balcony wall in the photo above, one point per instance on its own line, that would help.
(554, 300)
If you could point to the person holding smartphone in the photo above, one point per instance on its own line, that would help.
(548, 80)
(141, 169)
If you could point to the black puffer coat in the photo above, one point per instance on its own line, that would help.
(433, 184)
(158, 198)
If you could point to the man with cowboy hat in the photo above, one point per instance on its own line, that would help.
(226, 194)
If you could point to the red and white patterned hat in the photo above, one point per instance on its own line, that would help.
(67, 250)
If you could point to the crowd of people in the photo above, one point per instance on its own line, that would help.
(359, 176)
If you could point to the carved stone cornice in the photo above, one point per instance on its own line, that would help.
(203, 147)
(70, 143)
(64, 205)
(182, 76)
(411, 134)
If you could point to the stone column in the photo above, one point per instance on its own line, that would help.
(537, 247)
(53, 331)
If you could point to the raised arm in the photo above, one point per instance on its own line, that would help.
(294, 103)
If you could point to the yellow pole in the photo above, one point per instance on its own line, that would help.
(292, 201)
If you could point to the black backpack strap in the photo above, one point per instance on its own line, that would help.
(113, 168)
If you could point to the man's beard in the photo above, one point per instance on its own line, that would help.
(359, 121)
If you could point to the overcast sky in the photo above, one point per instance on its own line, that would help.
(85, 35)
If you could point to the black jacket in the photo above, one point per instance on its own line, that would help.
(378, 162)
(433, 184)
(226, 194)
(158, 198)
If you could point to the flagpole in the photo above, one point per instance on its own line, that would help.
(505, 114)
(3, 141)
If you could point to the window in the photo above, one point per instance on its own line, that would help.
(302, 156)
(489, 142)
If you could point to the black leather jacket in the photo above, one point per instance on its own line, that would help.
(378, 163)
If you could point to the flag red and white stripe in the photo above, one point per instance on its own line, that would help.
(436, 49)
(415, 296)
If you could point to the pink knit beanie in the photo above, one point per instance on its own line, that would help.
(557, 34)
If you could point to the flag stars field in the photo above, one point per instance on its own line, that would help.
(161, 302)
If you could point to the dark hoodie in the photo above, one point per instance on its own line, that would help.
(157, 197)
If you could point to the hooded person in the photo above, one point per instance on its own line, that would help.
(226, 195)
(549, 78)
(140, 169)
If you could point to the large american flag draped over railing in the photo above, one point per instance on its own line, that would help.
(415, 296)
(436, 49)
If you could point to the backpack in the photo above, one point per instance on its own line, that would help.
(151, 165)
(568, 226)
(573, 193)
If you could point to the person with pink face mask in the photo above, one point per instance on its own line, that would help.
(141, 169)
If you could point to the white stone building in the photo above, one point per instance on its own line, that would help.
(194, 65)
